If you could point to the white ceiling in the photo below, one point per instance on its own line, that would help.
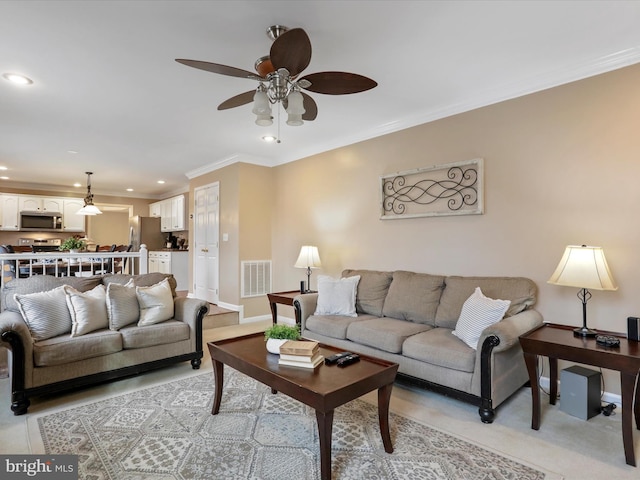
(106, 84)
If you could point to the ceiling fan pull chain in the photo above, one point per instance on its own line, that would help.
(279, 108)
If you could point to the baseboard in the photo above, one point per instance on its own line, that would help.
(258, 318)
(607, 397)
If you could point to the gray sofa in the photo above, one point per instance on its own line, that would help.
(72, 358)
(408, 318)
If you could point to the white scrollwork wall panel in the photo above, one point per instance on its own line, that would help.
(452, 189)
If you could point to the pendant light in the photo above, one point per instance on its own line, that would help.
(89, 208)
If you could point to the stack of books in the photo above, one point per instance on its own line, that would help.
(300, 353)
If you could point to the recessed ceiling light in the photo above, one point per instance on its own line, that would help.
(73, 152)
(18, 79)
(2, 167)
(77, 184)
(4, 178)
(160, 181)
(269, 138)
(129, 189)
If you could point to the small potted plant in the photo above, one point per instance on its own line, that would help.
(276, 335)
(72, 244)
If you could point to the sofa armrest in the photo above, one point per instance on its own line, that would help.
(12, 323)
(508, 330)
(306, 303)
(191, 311)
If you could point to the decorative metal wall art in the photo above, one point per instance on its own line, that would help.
(452, 189)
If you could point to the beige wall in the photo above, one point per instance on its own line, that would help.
(561, 167)
(245, 216)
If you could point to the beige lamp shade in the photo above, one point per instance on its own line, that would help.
(583, 267)
(308, 258)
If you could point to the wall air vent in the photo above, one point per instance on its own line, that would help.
(256, 278)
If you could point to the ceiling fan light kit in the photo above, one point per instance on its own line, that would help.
(278, 74)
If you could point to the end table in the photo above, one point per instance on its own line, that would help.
(283, 298)
(558, 342)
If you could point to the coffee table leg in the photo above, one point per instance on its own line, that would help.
(325, 425)
(384, 398)
(218, 374)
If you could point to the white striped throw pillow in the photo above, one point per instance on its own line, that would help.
(478, 312)
(45, 313)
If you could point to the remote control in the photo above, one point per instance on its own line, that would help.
(607, 341)
(348, 360)
(330, 360)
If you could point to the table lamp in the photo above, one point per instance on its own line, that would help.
(586, 268)
(308, 258)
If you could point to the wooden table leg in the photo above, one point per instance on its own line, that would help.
(325, 426)
(218, 374)
(384, 398)
(531, 361)
(636, 404)
(553, 380)
(274, 312)
(628, 382)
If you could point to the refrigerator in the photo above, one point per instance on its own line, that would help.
(146, 230)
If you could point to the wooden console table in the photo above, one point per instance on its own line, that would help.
(558, 342)
(283, 298)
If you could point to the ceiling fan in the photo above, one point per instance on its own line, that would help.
(278, 74)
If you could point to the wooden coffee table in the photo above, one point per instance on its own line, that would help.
(323, 389)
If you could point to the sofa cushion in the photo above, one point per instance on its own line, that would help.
(334, 326)
(122, 305)
(520, 291)
(478, 313)
(439, 347)
(372, 290)
(414, 297)
(45, 313)
(65, 349)
(159, 334)
(337, 296)
(88, 310)
(386, 334)
(156, 303)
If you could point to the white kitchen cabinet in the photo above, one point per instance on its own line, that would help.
(9, 213)
(155, 209)
(71, 221)
(173, 262)
(172, 213)
(39, 204)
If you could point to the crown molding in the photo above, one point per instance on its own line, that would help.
(230, 160)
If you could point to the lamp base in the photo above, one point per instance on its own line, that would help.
(584, 332)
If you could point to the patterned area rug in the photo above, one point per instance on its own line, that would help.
(168, 432)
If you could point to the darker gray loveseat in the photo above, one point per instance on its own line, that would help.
(408, 318)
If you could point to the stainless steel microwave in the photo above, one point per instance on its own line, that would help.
(41, 221)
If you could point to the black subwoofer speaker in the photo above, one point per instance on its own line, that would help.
(633, 328)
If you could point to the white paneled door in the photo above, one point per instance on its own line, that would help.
(206, 248)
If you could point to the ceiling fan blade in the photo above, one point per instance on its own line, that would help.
(310, 108)
(238, 100)
(338, 83)
(291, 50)
(218, 68)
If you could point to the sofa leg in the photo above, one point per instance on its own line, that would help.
(20, 403)
(486, 411)
(195, 363)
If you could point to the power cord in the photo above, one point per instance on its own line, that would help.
(608, 409)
